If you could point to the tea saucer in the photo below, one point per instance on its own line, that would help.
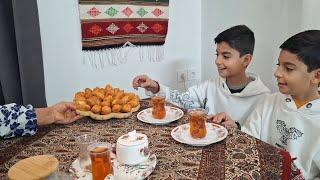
(121, 171)
(215, 133)
(172, 114)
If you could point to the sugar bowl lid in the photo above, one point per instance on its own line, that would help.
(35, 167)
(132, 139)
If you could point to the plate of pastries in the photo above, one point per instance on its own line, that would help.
(106, 103)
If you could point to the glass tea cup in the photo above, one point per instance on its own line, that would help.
(158, 105)
(197, 122)
(83, 142)
(100, 160)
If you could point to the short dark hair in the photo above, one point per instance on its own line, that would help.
(239, 37)
(306, 45)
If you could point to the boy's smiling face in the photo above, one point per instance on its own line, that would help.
(293, 76)
(228, 61)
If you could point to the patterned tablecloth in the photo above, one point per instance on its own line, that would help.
(239, 156)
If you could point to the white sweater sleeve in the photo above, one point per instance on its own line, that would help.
(317, 162)
(253, 124)
(194, 97)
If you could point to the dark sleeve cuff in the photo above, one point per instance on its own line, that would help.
(238, 125)
(158, 86)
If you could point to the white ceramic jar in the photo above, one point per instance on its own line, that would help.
(132, 148)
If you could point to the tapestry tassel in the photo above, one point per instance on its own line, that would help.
(117, 56)
(151, 53)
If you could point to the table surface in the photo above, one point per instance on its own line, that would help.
(238, 156)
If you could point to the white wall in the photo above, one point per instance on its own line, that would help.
(66, 74)
(272, 21)
(310, 14)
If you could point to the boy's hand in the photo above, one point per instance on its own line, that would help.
(222, 118)
(145, 82)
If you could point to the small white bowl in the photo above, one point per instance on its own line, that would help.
(132, 150)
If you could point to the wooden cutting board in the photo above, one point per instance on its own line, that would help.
(35, 167)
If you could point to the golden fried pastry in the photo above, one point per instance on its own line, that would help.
(108, 98)
(110, 92)
(93, 101)
(82, 106)
(131, 96)
(100, 90)
(126, 108)
(116, 108)
(117, 90)
(108, 87)
(80, 98)
(116, 101)
(87, 90)
(99, 94)
(105, 110)
(133, 103)
(106, 103)
(96, 109)
(81, 102)
(125, 99)
(119, 95)
(79, 94)
(88, 93)
(96, 89)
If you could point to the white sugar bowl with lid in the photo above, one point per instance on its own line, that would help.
(132, 148)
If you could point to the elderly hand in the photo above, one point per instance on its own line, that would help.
(145, 82)
(61, 113)
(222, 118)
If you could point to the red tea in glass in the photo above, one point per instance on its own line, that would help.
(158, 106)
(197, 121)
(100, 160)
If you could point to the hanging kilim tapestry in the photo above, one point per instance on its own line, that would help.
(112, 28)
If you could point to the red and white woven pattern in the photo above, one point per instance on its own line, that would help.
(106, 24)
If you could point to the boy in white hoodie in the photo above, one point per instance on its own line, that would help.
(234, 88)
(291, 119)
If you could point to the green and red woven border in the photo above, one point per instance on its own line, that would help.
(112, 23)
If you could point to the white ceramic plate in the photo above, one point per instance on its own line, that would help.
(215, 133)
(121, 171)
(172, 114)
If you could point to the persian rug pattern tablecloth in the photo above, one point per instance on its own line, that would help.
(239, 156)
